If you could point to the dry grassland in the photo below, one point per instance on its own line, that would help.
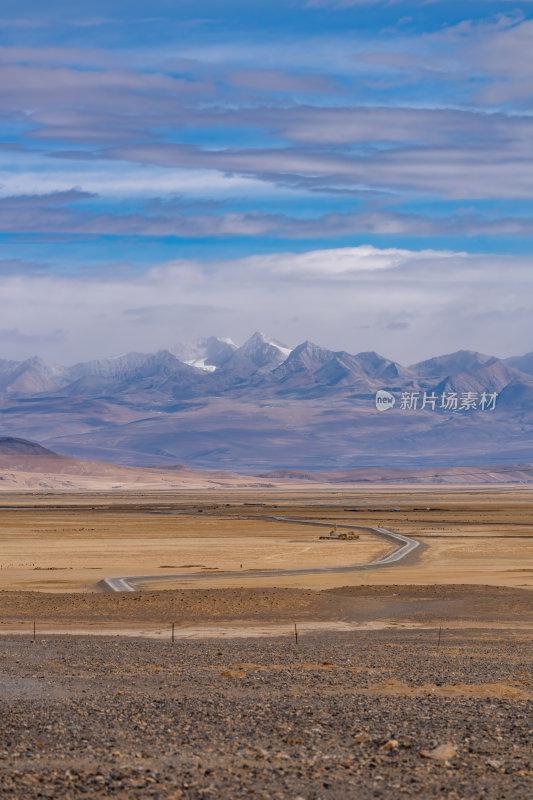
(66, 551)
(69, 543)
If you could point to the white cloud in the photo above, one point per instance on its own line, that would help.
(408, 305)
(339, 263)
(116, 180)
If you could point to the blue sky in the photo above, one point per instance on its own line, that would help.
(196, 168)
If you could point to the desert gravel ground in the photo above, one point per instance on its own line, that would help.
(371, 714)
(152, 612)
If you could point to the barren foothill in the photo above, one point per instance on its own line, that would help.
(31, 469)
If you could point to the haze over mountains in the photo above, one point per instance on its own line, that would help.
(29, 467)
(264, 406)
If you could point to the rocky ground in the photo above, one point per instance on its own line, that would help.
(473, 606)
(371, 714)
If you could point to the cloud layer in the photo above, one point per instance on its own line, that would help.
(289, 154)
(408, 305)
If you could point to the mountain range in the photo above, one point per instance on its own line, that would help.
(264, 406)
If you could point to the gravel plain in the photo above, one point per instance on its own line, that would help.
(371, 714)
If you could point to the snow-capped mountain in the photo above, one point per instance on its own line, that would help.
(310, 368)
(263, 405)
(207, 354)
(156, 378)
(257, 355)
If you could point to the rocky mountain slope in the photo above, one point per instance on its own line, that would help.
(263, 406)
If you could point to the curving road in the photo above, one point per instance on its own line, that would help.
(405, 546)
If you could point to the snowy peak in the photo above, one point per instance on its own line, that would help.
(207, 354)
(311, 407)
(283, 349)
(258, 354)
(262, 364)
(263, 351)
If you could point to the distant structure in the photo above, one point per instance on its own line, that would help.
(334, 534)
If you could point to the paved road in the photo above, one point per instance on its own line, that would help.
(405, 546)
